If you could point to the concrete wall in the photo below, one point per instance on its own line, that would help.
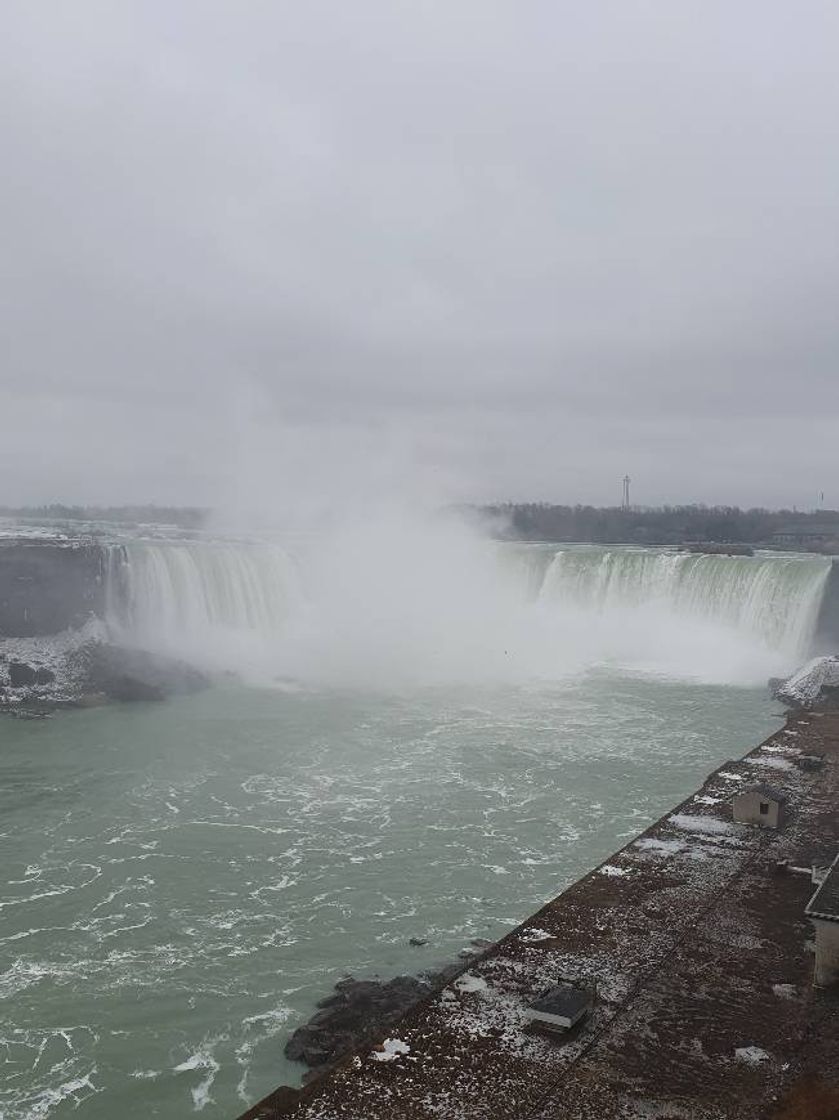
(46, 587)
(746, 810)
(826, 970)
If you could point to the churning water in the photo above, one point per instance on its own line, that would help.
(435, 737)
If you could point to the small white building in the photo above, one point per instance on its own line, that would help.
(759, 804)
(823, 912)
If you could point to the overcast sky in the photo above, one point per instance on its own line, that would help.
(468, 248)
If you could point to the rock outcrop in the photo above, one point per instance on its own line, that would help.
(82, 669)
(22, 675)
(816, 684)
(124, 674)
(360, 1011)
(47, 587)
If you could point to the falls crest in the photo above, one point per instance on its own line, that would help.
(773, 598)
(405, 608)
(175, 588)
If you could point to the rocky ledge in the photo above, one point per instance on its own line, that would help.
(360, 1011)
(816, 684)
(81, 669)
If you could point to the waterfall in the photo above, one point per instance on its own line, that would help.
(775, 599)
(420, 604)
(169, 589)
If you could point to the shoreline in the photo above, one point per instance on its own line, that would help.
(700, 952)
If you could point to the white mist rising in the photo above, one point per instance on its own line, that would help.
(395, 600)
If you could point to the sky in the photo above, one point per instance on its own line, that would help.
(259, 253)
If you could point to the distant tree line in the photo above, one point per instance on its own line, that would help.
(662, 525)
(183, 517)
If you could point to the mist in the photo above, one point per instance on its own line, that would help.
(390, 599)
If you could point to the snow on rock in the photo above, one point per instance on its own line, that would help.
(804, 688)
(772, 763)
(666, 847)
(391, 1049)
(612, 871)
(468, 982)
(784, 991)
(699, 824)
(57, 653)
(751, 1055)
(532, 934)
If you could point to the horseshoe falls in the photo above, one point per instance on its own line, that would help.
(420, 611)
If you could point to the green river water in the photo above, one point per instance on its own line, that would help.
(180, 883)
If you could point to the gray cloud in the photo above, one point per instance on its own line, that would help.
(483, 250)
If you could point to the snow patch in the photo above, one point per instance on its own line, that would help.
(653, 844)
(468, 982)
(784, 991)
(751, 1055)
(772, 763)
(533, 934)
(391, 1049)
(805, 686)
(612, 871)
(699, 824)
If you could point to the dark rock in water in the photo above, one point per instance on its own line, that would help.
(418, 942)
(134, 674)
(359, 1011)
(21, 675)
(88, 673)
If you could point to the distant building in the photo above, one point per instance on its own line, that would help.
(560, 1008)
(802, 536)
(823, 912)
(761, 805)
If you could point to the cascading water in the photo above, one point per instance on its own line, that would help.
(775, 599)
(173, 590)
(420, 604)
